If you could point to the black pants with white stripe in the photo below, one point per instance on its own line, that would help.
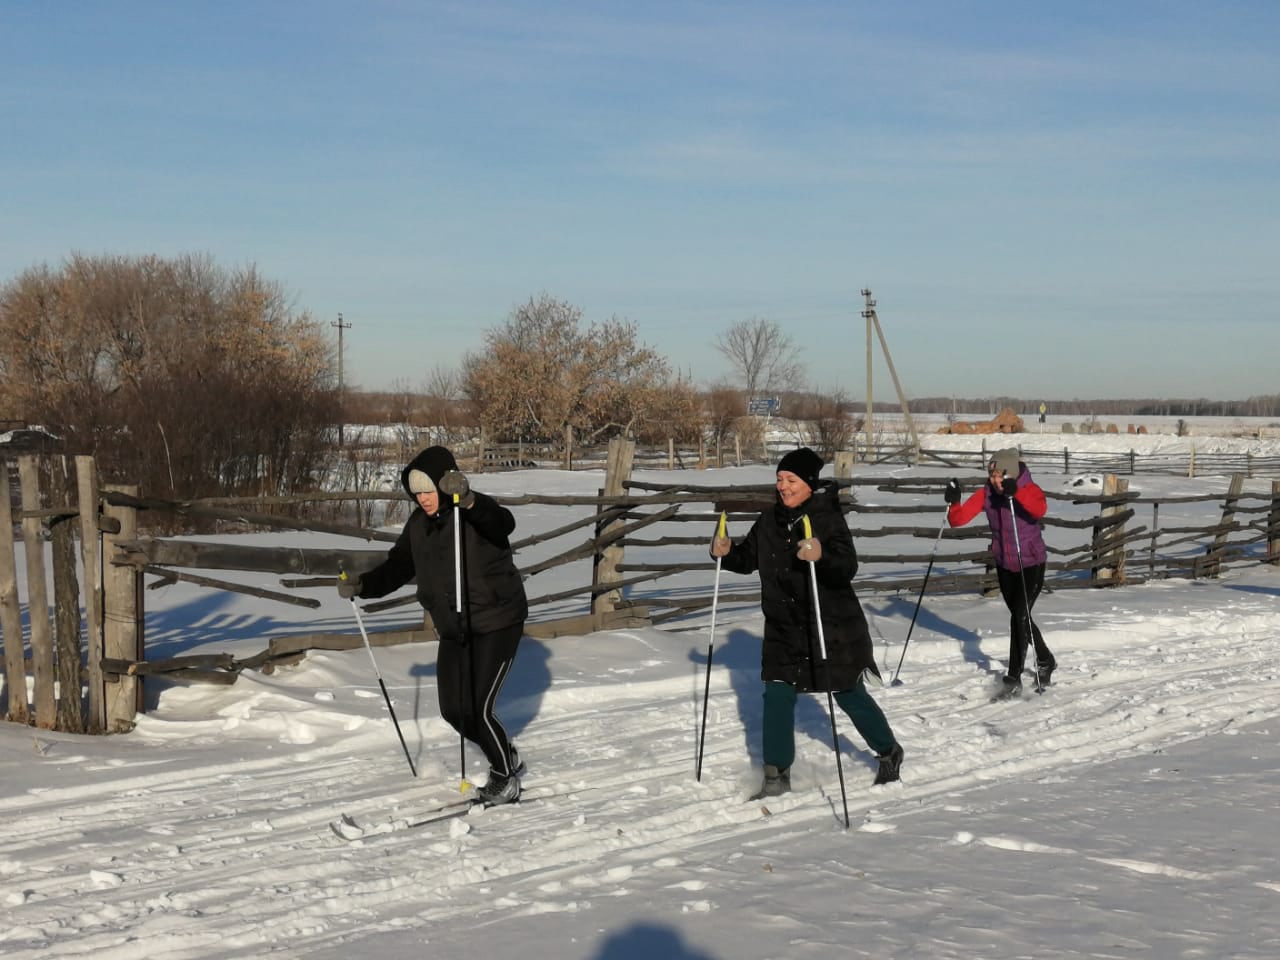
(468, 680)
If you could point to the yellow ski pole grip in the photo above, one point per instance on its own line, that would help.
(723, 521)
(808, 530)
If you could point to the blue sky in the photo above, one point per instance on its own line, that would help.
(1047, 200)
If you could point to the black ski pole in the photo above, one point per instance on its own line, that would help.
(1026, 597)
(385, 696)
(711, 640)
(920, 599)
(826, 672)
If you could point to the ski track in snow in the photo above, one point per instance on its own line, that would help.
(162, 853)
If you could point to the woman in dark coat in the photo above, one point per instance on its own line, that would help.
(792, 662)
(478, 648)
(1014, 505)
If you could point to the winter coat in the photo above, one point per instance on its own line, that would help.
(1011, 550)
(495, 596)
(791, 650)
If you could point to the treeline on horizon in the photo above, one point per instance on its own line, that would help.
(1262, 406)
(375, 406)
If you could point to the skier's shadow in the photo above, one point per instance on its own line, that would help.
(901, 608)
(646, 941)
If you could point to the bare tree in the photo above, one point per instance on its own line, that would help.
(540, 375)
(763, 356)
(179, 375)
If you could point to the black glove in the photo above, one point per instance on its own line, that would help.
(1009, 485)
(952, 493)
(348, 587)
(456, 482)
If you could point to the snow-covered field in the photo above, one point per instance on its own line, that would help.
(1128, 812)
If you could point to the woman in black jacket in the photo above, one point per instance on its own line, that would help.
(478, 647)
(792, 662)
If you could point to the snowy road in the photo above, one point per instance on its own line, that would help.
(1140, 785)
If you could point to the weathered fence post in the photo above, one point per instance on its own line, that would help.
(568, 446)
(66, 602)
(122, 617)
(45, 697)
(671, 453)
(737, 450)
(91, 563)
(617, 472)
(15, 667)
(1211, 564)
(702, 453)
(845, 470)
(1108, 539)
(1273, 524)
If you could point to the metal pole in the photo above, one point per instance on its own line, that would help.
(826, 671)
(711, 639)
(385, 696)
(929, 569)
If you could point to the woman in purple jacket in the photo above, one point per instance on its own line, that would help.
(1014, 505)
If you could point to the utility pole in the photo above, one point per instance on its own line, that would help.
(868, 313)
(874, 320)
(342, 407)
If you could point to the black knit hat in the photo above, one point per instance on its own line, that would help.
(424, 471)
(804, 463)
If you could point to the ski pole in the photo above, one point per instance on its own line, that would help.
(927, 570)
(385, 696)
(1026, 598)
(711, 639)
(826, 671)
(458, 589)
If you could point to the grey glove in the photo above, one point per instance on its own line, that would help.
(456, 482)
(348, 587)
(720, 546)
(952, 493)
(809, 550)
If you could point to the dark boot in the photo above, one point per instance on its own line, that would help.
(776, 782)
(890, 766)
(499, 789)
(1044, 670)
(515, 763)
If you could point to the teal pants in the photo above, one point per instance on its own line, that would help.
(780, 721)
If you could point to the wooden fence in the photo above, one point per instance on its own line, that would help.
(730, 452)
(88, 676)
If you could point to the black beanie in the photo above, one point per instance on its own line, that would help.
(804, 463)
(429, 466)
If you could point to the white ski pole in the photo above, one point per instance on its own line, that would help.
(826, 671)
(458, 588)
(364, 635)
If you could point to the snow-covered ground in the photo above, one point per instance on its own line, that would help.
(1127, 812)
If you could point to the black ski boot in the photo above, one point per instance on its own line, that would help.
(890, 766)
(499, 789)
(1044, 670)
(515, 764)
(776, 782)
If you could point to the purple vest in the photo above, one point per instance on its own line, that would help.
(1010, 540)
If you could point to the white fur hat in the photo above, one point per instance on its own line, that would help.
(419, 482)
